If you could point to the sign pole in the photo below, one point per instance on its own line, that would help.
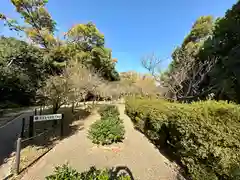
(23, 127)
(62, 125)
(30, 129)
(18, 150)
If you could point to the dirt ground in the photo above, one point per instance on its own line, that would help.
(136, 154)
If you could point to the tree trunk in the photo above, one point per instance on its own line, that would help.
(54, 110)
(72, 107)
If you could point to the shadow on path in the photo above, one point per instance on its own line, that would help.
(121, 170)
(33, 149)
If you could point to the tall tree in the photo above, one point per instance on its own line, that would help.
(186, 73)
(22, 71)
(82, 40)
(88, 43)
(225, 45)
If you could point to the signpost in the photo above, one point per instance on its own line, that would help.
(39, 118)
(32, 119)
(47, 117)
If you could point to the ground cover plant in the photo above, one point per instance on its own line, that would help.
(109, 129)
(68, 173)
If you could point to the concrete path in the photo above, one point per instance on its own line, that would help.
(136, 153)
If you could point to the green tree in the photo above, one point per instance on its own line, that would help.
(186, 73)
(22, 71)
(83, 41)
(225, 45)
(87, 44)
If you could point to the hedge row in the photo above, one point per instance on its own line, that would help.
(109, 128)
(67, 173)
(108, 110)
(204, 137)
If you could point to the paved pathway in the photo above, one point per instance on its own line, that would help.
(136, 153)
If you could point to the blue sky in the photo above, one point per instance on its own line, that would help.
(132, 28)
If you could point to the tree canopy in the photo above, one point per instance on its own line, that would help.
(46, 54)
(206, 63)
(22, 71)
(83, 41)
(209, 56)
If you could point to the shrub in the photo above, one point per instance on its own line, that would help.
(64, 172)
(67, 173)
(203, 136)
(108, 110)
(107, 130)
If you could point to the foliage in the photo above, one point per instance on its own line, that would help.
(202, 136)
(109, 128)
(39, 24)
(108, 110)
(224, 44)
(71, 86)
(55, 92)
(87, 42)
(83, 41)
(87, 36)
(22, 70)
(186, 73)
(137, 83)
(64, 172)
(207, 62)
(67, 173)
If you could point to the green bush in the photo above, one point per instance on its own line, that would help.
(107, 130)
(108, 110)
(67, 173)
(203, 136)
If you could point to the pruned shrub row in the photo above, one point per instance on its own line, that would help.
(204, 137)
(109, 128)
(108, 110)
(67, 173)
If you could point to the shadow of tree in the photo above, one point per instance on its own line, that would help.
(115, 172)
(48, 134)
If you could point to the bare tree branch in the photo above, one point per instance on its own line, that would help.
(184, 80)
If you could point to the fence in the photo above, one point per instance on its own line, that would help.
(35, 140)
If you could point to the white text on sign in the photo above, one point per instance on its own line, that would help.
(47, 117)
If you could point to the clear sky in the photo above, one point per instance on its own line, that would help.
(132, 28)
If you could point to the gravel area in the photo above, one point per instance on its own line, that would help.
(135, 153)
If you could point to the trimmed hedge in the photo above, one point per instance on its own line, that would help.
(67, 173)
(109, 128)
(203, 136)
(108, 110)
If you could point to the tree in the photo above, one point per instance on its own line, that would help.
(137, 83)
(182, 83)
(39, 25)
(82, 41)
(55, 91)
(88, 43)
(185, 73)
(224, 44)
(22, 71)
(71, 86)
